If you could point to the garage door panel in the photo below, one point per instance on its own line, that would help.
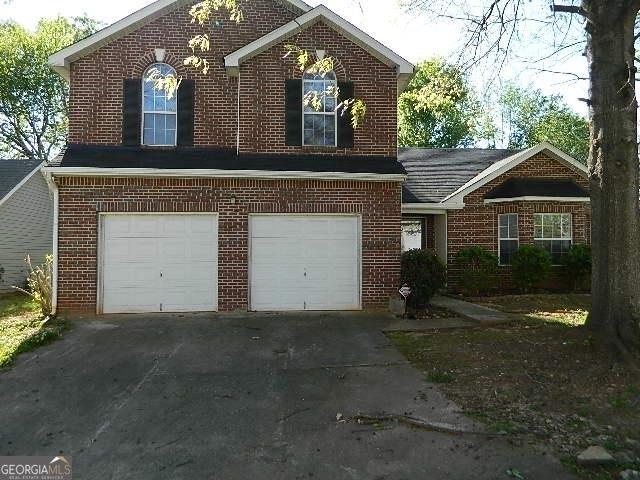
(119, 225)
(268, 251)
(173, 248)
(203, 224)
(131, 275)
(143, 249)
(159, 262)
(205, 250)
(174, 225)
(300, 262)
(132, 300)
(145, 225)
(277, 300)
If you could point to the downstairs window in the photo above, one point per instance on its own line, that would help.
(552, 232)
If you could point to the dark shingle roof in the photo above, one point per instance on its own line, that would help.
(13, 171)
(434, 173)
(537, 187)
(220, 159)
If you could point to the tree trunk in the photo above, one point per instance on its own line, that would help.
(614, 172)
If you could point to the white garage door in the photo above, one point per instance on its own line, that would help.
(159, 263)
(305, 263)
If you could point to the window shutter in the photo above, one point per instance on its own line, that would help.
(293, 112)
(186, 101)
(345, 128)
(132, 112)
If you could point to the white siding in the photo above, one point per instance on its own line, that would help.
(26, 224)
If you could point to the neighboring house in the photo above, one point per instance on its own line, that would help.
(231, 196)
(26, 216)
(496, 199)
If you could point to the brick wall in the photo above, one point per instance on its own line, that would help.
(95, 105)
(82, 199)
(477, 223)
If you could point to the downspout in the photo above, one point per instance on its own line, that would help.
(238, 115)
(54, 281)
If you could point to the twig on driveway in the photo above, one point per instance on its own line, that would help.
(418, 423)
(293, 414)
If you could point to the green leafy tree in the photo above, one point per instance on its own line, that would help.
(33, 98)
(530, 117)
(438, 109)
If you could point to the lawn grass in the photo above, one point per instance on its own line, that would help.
(22, 328)
(542, 378)
(565, 309)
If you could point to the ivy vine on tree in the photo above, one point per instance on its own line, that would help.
(201, 14)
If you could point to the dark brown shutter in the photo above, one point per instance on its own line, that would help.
(186, 100)
(345, 128)
(293, 112)
(132, 112)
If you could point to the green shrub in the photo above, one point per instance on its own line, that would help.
(576, 267)
(478, 270)
(530, 265)
(424, 273)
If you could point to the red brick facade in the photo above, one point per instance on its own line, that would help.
(95, 105)
(83, 199)
(477, 223)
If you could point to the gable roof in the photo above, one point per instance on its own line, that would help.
(446, 176)
(61, 61)
(508, 163)
(14, 173)
(435, 173)
(321, 13)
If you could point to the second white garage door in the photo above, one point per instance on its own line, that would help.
(305, 262)
(159, 263)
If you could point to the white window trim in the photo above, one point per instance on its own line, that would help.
(334, 113)
(560, 239)
(517, 238)
(158, 112)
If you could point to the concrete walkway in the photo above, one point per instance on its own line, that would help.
(476, 313)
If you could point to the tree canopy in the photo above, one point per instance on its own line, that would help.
(33, 98)
(438, 108)
(530, 117)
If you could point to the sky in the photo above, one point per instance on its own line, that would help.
(414, 36)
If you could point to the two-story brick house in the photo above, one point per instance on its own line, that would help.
(231, 195)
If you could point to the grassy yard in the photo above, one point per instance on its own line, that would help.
(542, 378)
(21, 327)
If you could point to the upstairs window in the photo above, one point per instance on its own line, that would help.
(159, 113)
(552, 232)
(319, 124)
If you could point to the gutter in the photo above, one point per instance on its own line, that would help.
(431, 208)
(213, 173)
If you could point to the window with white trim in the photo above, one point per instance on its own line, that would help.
(159, 112)
(413, 232)
(319, 125)
(508, 237)
(552, 232)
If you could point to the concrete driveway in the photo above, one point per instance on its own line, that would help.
(240, 397)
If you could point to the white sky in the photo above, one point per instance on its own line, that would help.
(413, 36)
